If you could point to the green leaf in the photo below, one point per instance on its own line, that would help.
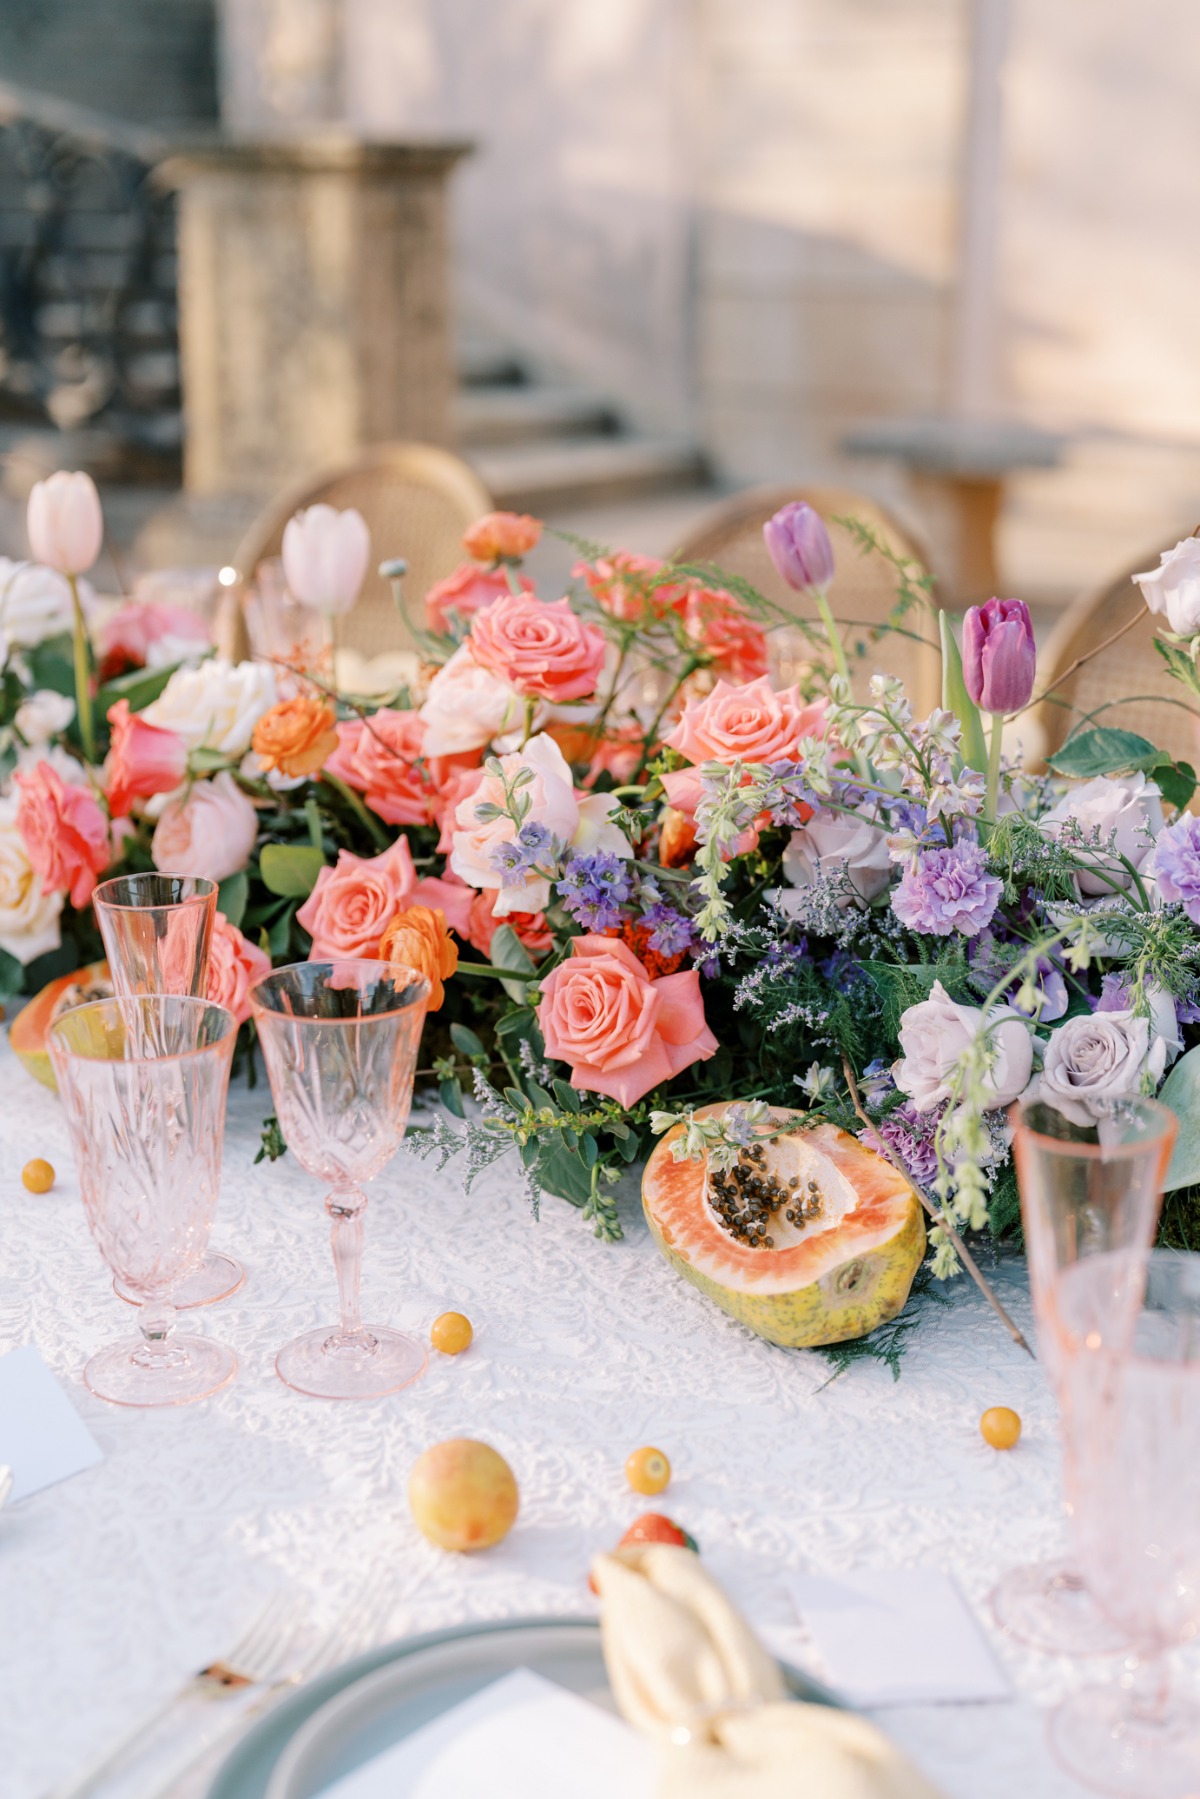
(232, 894)
(52, 665)
(140, 687)
(12, 977)
(278, 931)
(508, 951)
(1181, 1092)
(1176, 781)
(290, 869)
(1180, 663)
(466, 1042)
(566, 1096)
(1101, 750)
(451, 1097)
(206, 762)
(562, 1172)
(956, 699)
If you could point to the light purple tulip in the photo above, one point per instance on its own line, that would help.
(798, 544)
(999, 655)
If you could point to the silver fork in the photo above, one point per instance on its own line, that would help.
(357, 1630)
(258, 1656)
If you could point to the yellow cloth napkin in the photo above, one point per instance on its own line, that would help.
(686, 1668)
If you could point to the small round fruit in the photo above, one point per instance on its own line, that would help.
(463, 1495)
(653, 1527)
(37, 1176)
(451, 1333)
(1000, 1426)
(647, 1470)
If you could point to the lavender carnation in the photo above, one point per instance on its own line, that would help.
(947, 890)
(1176, 863)
(909, 1135)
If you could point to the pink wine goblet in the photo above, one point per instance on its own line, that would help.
(157, 930)
(340, 1042)
(1086, 1192)
(147, 1133)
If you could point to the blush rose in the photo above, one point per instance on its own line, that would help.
(210, 831)
(750, 723)
(542, 648)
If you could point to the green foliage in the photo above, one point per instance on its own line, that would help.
(956, 699)
(141, 687)
(1100, 750)
(901, 985)
(232, 897)
(888, 1343)
(1181, 1092)
(508, 951)
(290, 869)
(273, 1144)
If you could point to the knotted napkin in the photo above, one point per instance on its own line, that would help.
(686, 1669)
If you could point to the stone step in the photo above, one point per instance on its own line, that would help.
(510, 414)
(590, 469)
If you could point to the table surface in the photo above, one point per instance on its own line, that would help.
(116, 1583)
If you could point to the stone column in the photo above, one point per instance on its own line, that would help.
(314, 303)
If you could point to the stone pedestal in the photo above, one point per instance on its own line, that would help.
(314, 302)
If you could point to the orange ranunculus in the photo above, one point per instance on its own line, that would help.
(502, 536)
(678, 838)
(419, 939)
(297, 736)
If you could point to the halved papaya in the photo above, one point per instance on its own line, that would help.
(28, 1031)
(842, 1262)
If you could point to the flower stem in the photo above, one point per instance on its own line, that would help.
(992, 793)
(83, 677)
(356, 806)
(831, 631)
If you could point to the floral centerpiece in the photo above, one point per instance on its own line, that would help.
(641, 876)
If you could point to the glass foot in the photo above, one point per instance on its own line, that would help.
(185, 1369)
(372, 1362)
(216, 1278)
(1048, 1606)
(1098, 1737)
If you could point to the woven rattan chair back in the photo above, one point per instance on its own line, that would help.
(417, 501)
(864, 589)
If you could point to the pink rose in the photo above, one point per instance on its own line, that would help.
(234, 964)
(143, 759)
(720, 624)
(542, 648)
(751, 723)
(621, 1032)
(209, 831)
(466, 592)
(622, 583)
(145, 631)
(383, 758)
(353, 903)
(65, 833)
(460, 783)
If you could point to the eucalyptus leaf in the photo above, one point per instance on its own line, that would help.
(1181, 1092)
(140, 687)
(1102, 750)
(956, 699)
(290, 869)
(232, 895)
(508, 951)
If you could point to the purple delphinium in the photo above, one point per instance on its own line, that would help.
(671, 932)
(1176, 863)
(910, 1135)
(515, 860)
(593, 889)
(947, 890)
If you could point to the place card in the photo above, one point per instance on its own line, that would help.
(520, 1738)
(42, 1437)
(897, 1636)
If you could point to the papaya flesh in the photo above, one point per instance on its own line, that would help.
(830, 1278)
(29, 1029)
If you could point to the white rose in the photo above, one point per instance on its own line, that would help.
(468, 707)
(28, 917)
(1092, 1060)
(1173, 588)
(1130, 808)
(43, 715)
(828, 842)
(935, 1032)
(215, 706)
(35, 602)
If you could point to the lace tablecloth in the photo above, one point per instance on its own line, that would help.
(116, 1583)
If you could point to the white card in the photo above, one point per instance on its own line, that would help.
(897, 1636)
(42, 1437)
(521, 1738)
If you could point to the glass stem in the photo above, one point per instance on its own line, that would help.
(1146, 1679)
(346, 1209)
(156, 1320)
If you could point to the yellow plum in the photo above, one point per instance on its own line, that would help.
(463, 1495)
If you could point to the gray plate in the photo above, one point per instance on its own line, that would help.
(414, 1680)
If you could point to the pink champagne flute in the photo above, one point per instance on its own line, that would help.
(157, 930)
(1131, 1429)
(1086, 1191)
(340, 1041)
(147, 1131)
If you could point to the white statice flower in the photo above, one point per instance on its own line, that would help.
(829, 842)
(35, 602)
(215, 706)
(29, 917)
(44, 715)
(934, 1035)
(1095, 1059)
(1172, 590)
(1102, 819)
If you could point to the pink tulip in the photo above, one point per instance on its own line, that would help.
(325, 557)
(999, 655)
(65, 523)
(798, 544)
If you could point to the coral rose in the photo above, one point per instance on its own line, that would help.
(530, 927)
(65, 833)
(502, 536)
(142, 760)
(621, 1032)
(353, 903)
(234, 964)
(210, 831)
(540, 647)
(718, 622)
(419, 939)
(751, 723)
(297, 736)
(383, 758)
(464, 593)
(624, 585)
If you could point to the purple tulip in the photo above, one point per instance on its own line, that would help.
(999, 655)
(798, 544)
